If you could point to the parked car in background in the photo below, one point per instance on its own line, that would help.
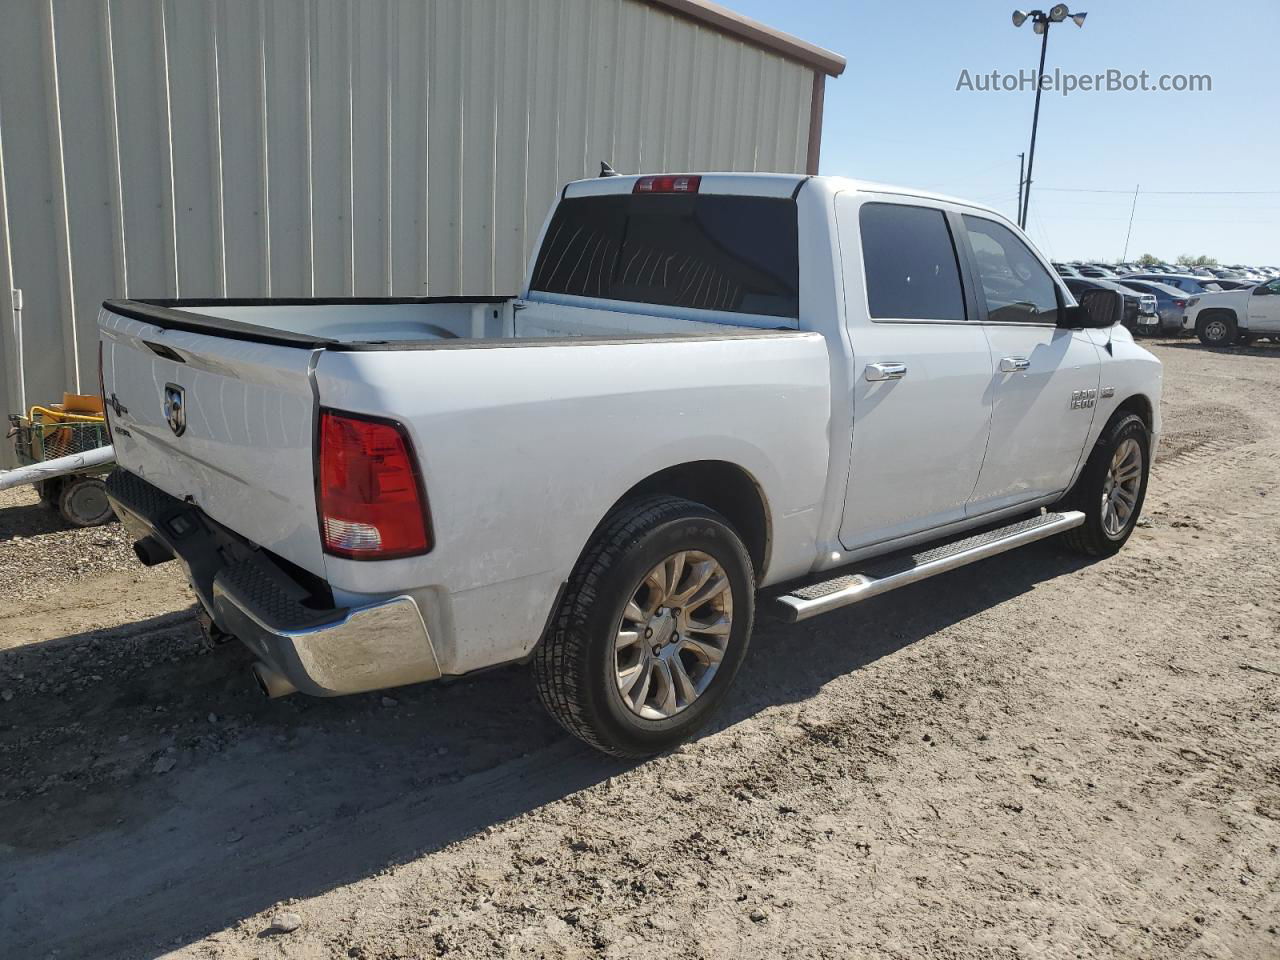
(1170, 301)
(1235, 316)
(1140, 310)
(709, 384)
(1183, 281)
(1066, 270)
(1223, 284)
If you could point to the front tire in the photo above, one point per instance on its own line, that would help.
(653, 626)
(1111, 488)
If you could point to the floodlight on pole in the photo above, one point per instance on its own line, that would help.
(1040, 22)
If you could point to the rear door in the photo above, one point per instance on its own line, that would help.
(921, 369)
(1044, 379)
(223, 423)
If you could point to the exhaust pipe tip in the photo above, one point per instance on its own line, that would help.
(271, 681)
(151, 552)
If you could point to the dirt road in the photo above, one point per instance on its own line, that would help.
(1030, 757)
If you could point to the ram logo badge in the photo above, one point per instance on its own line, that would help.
(1083, 399)
(175, 408)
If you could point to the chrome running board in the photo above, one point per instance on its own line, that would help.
(887, 574)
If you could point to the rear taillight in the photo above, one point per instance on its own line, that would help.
(369, 491)
(102, 392)
(670, 183)
(1180, 304)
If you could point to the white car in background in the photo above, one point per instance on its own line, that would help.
(1235, 316)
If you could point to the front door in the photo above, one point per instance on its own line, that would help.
(1264, 308)
(1044, 379)
(921, 373)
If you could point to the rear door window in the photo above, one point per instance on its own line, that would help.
(910, 263)
(703, 252)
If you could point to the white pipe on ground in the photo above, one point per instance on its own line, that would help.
(56, 468)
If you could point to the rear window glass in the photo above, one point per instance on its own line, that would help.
(910, 262)
(736, 254)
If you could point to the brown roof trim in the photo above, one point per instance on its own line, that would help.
(756, 33)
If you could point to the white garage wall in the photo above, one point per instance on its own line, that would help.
(160, 148)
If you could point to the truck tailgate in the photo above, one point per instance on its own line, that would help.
(240, 448)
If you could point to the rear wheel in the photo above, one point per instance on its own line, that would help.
(653, 626)
(83, 502)
(1111, 488)
(1217, 330)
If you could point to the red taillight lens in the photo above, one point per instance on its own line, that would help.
(671, 183)
(369, 494)
(1179, 304)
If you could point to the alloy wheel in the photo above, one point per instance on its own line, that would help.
(1120, 489)
(672, 635)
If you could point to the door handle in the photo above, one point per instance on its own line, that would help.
(885, 371)
(1014, 364)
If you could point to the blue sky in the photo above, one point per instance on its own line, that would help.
(895, 115)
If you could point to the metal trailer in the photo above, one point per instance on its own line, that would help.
(215, 148)
(64, 456)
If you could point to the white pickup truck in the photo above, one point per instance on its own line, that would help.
(710, 384)
(1235, 316)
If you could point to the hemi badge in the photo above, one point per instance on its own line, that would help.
(1108, 392)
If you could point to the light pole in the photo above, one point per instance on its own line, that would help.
(1041, 22)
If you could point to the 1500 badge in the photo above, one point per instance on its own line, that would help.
(1083, 399)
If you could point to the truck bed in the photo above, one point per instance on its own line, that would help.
(355, 323)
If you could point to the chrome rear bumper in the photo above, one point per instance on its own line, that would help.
(321, 649)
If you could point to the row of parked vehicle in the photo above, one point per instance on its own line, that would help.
(1220, 305)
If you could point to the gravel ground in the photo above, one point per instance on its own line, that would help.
(1031, 757)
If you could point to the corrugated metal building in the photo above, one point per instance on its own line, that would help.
(345, 147)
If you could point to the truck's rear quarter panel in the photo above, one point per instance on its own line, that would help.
(525, 447)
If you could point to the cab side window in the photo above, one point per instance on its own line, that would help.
(910, 262)
(1017, 288)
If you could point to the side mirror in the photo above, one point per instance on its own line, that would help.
(1098, 310)
(1261, 290)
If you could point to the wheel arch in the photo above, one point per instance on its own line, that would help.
(725, 487)
(1139, 404)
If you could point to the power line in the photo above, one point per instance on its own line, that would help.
(1178, 193)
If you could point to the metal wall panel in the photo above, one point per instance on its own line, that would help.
(336, 147)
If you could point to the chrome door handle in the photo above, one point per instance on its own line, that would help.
(1014, 364)
(885, 371)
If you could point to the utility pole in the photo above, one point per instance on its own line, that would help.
(1125, 256)
(1035, 123)
(1022, 167)
(1041, 22)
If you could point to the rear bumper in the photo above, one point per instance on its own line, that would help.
(293, 626)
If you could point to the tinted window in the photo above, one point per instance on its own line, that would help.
(1016, 285)
(703, 252)
(910, 263)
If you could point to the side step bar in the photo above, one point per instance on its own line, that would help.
(889, 574)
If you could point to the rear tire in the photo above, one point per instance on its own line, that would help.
(634, 698)
(83, 502)
(1111, 488)
(1217, 329)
